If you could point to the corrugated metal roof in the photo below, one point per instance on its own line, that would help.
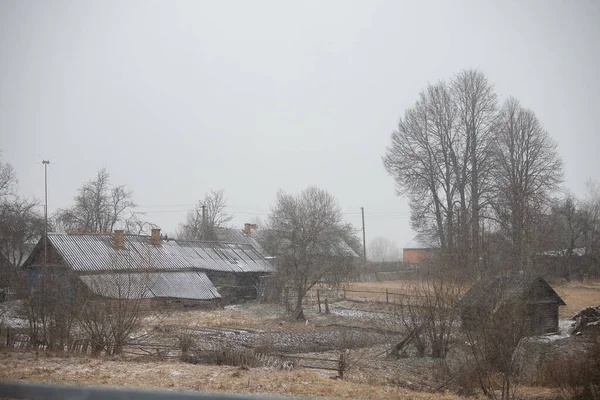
(89, 253)
(231, 235)
(139, 285)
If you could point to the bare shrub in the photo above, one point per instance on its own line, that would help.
(349, 357)
(50, 309)
(224, 354)
(185, 342)
(577, 375)
(492, 343)
(430, 312)
(113, 311)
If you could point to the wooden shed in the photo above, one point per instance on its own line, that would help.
(540, 302)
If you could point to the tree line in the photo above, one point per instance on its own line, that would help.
(483, 178)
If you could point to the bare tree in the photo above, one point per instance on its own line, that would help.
(209, 214)
(135, 225)
(20, 224)
(309, 239)
(528, 170)
(382, 249)
(477, 104)
(99, 207)
(423, 158)
(590, 209)
(8, 179)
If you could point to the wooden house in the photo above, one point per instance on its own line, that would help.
(533, 295)
(149, 266)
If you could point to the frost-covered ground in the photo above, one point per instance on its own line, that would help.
(9, 314)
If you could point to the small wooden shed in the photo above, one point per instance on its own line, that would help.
(537, 297)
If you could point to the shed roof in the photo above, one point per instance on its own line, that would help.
(191, 285)
(488, 293)
(96, 252)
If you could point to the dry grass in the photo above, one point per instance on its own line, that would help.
(251, 316)
(407, 287)
(212, 319)
(577, 296)
(170, 375)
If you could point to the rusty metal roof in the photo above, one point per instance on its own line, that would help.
(90, 253)
(191, 285)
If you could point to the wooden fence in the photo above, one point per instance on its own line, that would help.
(323, 297)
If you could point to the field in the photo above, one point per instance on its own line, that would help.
(365, 328)
(577, 295)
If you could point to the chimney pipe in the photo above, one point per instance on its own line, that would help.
(155, 237)
(119, 238)
(248, 228)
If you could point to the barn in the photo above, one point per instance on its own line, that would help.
(150, 266)
(488, 295)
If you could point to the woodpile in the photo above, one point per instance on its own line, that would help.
(586, 319)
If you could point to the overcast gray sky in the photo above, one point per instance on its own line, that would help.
(178, 97)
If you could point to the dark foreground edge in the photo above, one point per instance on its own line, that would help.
(34, 391)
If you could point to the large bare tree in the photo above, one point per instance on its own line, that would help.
(416, 161)
(309, 239)
(429, 158)
(99, 207)
(528, 170)
(477, 103)
(210, 214)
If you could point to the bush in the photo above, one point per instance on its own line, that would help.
(577, 375)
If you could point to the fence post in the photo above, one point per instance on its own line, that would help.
(326, 306)
(387, 297)
(344, 293)
(319, 300)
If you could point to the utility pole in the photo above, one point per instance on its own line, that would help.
(45, 162)
(203, 221)
(362, 210)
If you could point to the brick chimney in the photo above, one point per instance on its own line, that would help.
(248, 228)
(155, 236)
(119, 237)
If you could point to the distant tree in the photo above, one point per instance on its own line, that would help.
(136, 225)
(99, 207)
(528, 170)
(199, 227)
(382, 249)
(8, 179)
(20, 224)
(590, 211)
(309, 239)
